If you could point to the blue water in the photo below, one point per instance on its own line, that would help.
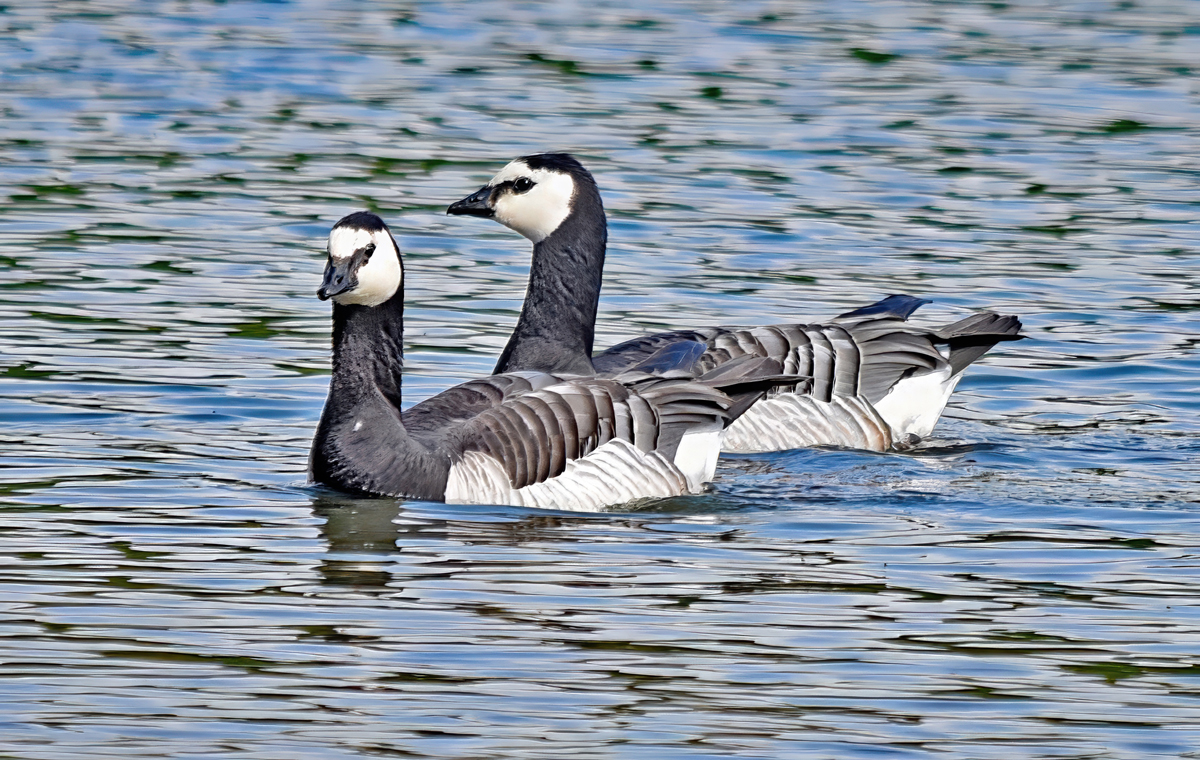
(1023, 585)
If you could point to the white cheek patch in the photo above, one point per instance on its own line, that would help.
(344, 241)
(380, 277)
(538, 212)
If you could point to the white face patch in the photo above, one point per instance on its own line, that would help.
(537, 212)
(380, 277)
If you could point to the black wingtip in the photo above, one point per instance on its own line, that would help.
(898, 306)
(988, 323)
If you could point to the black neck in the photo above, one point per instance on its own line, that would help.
(368, 348)
(558, 321)
(361, 442)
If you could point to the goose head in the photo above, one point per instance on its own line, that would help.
(533, 195)
(364, 265)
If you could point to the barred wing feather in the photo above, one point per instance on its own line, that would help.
(875, 382)
(584, 443)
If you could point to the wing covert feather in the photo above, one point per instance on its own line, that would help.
(535, 435)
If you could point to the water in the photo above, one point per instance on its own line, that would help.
(1023, 586)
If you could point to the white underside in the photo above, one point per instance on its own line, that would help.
(915, 403)
(795, 421)
(697, 455)
(614, 473)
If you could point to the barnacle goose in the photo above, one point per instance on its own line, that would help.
(877, 383)
(531, 438)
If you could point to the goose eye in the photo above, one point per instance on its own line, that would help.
(368, 250)
(523, 185)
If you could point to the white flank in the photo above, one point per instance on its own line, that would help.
(537, 212)
(614, 473)
(380, 278)
(478, 479)
(794, 421)
(915, 403)
(697, 455)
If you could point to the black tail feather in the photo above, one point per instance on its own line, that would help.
(974, 336)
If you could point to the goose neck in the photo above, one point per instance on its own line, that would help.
(556, 328)
(368, 346)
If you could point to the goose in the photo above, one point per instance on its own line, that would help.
(877, 383)
(524, 438)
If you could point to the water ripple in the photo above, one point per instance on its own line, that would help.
(1019, 586)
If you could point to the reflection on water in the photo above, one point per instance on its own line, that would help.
(1021, 586)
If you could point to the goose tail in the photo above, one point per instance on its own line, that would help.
(974, 336)
(909, 375)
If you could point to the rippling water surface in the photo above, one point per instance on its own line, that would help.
(1024, 585)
